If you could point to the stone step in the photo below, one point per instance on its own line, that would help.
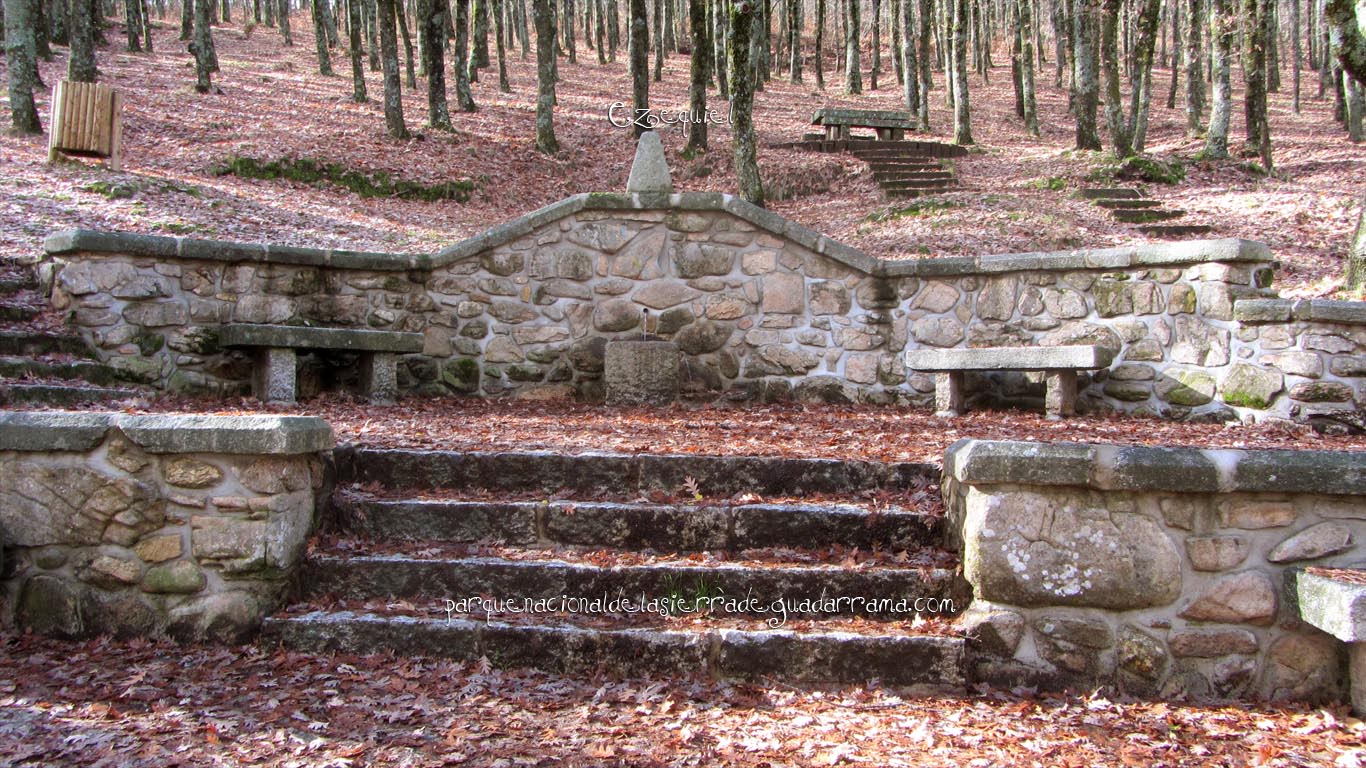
(1146, 215)
(82, 370)
(1175, 230)
(894, 176)
(34, 344)
(1128, 204)
(904, 165)
(874, 592)
(18, 313)
(892, 155)
(916, 184)
(61, 395)
(659, 527)
(907, 194)
(926, 661)
(1110, 193)
(624, 475)
(16, 283)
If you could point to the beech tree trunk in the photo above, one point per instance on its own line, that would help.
(697, 86)
(81, 66)
(1141, 95)
(640, 66)
(320, 40)
(853, 82)
(962, 113)
(498, 8)
(1195, 68)
(1087, 85)
(393, 86)
(1223, 24)
(544, 15)
(353, 11)
(464, 99)
(22, 65)
(1255, 39)
(1025, 30)
(742, 103)
(431, 16)
(820, 44)
(205, 58)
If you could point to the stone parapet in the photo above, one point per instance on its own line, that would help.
(185, 525)
(1157, 571)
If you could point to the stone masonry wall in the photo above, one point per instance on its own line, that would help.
(150, 525)
(1157, 571)
(761, 308)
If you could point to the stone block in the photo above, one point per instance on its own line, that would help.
(1209, 644)
(187, 472)
(251, 434)
(1312, 543)
(1250, 386)
(181, 577)
(51, 431)
(641, 373)
(1217, 553)
(783, 293)
(1336, 606)
(159, 549)
(1240, 598)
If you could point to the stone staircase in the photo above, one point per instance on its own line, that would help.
(412, 535)
(903, 169)
(1128, 206)
(40, 362)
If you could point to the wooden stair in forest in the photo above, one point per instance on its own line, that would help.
(42, 366)
(1128, 206)
(410, 530)
(901, 168)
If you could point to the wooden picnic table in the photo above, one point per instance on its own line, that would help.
(890, 125)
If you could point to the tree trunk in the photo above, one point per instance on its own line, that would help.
(464, 99)
(742, 103)
(658, 39)
(1295, 53)
(407, 44)
(876, 70)
(926, 64)
(1350, 27)
(853, 83)
(372, 32)
(544, 15)
(820, 44)
(1356, 254)
(1195, 67)
(1140, 99)
(1025, 11)
(205, 60)
(962, 114)
(1175, 56)
(1254, 71)
(393, 85)
(600, 31)
(1355, 102)
(1087, 100)
(911, 82)
(720, 36)
(499, 6)
(697, 86)
(186, 19)
(480, 56)
(22, 67)
(81, 66)
(285, 31)
(1120, 139)
(432, 18)
(320, 40)
(353, 25)
(640, 66)
(794, 31)
(1224, 25)
(132, 25)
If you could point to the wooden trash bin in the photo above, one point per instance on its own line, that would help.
(86, 121)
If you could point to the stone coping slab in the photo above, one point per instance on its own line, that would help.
(1334, 606)
(298, 336)
(1145, 468)
(1284, 310)
(165, 433)
(1079, 357)
(1163, 254)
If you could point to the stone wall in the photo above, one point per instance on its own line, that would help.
(1157, 571)
(149, 525)
(761, 308)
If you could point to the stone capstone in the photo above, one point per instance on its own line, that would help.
(650, 170)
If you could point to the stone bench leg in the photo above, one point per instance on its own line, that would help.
(1060, 398)
(948, 393)
(379, 376)
(274, 376)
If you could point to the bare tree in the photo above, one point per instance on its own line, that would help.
(544, 14)
(742, 104)
(1223, 24)
(23, 66)
(393, 86)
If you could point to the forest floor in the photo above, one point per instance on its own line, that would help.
(1014, 194)
(64, 703)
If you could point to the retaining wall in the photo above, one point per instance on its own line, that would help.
(760, 306)
(148, 525)
(1159, 571)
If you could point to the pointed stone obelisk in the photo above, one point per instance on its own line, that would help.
(650, 171)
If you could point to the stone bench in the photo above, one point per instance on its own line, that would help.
(274, 376)
(1059, 364)
(1335, 602)
(889, 124)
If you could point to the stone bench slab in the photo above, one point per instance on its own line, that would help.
(1335, 606)
(301, 337)
(1077, 358)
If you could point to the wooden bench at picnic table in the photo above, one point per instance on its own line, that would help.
(274, 376)
(1059, 364)
(890, 125)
